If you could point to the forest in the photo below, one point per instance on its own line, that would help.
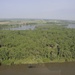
(45, 44)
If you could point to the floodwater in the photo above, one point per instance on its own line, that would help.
(22, 27)
(25, 27)
(30, 27)
(67, 68)
(71, 26)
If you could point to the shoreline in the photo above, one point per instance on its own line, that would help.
(68, 62)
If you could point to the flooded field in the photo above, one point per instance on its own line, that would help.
(39, 69)
(26, 27)
(22, 27)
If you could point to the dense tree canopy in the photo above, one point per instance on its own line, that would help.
(44, 44)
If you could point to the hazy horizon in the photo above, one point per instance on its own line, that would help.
(37, 9)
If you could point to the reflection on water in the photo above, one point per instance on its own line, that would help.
(26, 27)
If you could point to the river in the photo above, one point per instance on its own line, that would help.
(67, 68)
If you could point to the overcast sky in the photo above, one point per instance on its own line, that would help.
(46, 9)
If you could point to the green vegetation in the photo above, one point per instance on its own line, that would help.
(51, 43)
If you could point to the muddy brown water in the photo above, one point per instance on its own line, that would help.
(67, 68)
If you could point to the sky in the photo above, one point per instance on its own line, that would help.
(38, 9)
